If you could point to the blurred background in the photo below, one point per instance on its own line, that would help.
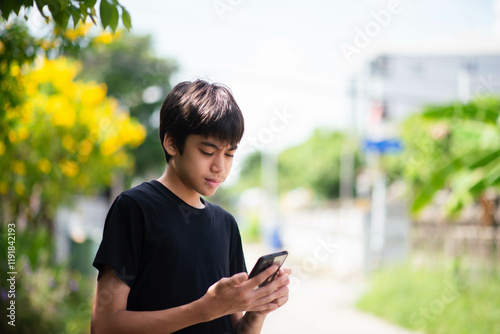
(371, 151)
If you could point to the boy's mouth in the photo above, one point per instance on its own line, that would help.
(214, 182)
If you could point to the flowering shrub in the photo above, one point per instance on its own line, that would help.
(65, 136)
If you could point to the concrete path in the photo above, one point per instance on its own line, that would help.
(320, 304)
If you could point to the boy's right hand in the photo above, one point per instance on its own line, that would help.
(237, 293)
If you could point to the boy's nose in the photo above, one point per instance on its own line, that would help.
(218, 165)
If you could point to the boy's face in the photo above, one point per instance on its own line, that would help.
(204, 164)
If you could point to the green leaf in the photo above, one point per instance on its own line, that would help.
(126, 19)
(436, 183)
(16, 7)
(478, 111)
(105, 11)
(63, 4)
(113, 22)
(461, 189)
(77, 16)
(62, 18)
(54, 7)
(92, 14)
(88, 3)
(40, 4)
(486, 159)
(27, 3)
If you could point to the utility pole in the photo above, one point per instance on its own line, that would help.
(347, 151)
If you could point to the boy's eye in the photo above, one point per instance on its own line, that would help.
(229, 155)
(206, 153)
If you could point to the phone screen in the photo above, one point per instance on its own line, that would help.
(265, 262)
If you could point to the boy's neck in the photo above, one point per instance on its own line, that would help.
(171, 180)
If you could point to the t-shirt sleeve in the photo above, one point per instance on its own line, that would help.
(122, 239)
(237, 260)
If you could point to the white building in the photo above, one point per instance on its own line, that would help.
(391, 87)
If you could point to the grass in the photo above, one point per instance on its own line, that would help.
(436, 300)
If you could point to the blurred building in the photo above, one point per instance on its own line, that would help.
(391, 87)
(388, 89)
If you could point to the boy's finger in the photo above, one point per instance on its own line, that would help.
(260, 278)
(236, 279)
(239, 278)
(284, 270)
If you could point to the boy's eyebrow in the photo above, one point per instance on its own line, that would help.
(215, 146)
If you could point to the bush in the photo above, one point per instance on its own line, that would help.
(437, 300)
(50, 298)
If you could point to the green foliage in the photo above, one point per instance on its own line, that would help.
(435, 300)
(251, 172)
(17, 44)
(50, 298)
(78, 11)
(454, 147)
(250, 231)
(58, 135)
(315, 164)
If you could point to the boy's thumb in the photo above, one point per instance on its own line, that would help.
(239, 278)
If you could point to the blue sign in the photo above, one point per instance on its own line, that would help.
(386, 146)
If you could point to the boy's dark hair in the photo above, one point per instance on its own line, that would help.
(200, 108)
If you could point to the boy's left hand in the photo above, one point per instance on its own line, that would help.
(282, 276)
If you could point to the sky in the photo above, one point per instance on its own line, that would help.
(288, 62)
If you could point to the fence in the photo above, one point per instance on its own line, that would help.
(341, 239)
(477, 245)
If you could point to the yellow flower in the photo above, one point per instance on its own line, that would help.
(93, 93)
(80, 31)
(69, 168)
(69, 143)
(59, 72)
(2, 148)
(2, 48)
(15, 70)
(19, 188)
(44, 166)
(12, 136)
(3, 187)
(110, 145)
(120, 158)
(85, 149)
(18, 167)
(107, 37)
(22, 133)
(46, 45)
(63, 112)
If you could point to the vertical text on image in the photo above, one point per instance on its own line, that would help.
(11, 274)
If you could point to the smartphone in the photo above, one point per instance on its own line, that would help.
(265, 262)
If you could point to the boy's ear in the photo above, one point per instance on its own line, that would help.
(169, 145)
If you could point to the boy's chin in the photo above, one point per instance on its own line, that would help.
(210, 192)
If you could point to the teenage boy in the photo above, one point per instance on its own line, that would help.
(170, 261)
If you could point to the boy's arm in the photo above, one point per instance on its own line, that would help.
(227, 296)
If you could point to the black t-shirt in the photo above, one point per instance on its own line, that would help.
(168, 252)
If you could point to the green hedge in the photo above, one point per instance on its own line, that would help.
(436, 300)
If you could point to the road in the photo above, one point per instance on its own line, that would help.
(321, 304)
